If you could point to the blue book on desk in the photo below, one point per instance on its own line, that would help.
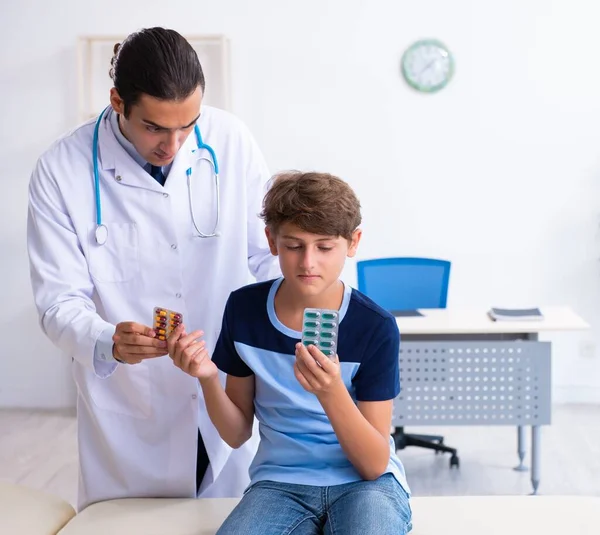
(515, 314)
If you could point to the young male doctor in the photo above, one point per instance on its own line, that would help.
(127, 213)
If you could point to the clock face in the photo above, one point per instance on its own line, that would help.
(427, 65)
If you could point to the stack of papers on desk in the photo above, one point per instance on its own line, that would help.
(515, 314)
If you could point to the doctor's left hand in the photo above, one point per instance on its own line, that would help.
(134, 342)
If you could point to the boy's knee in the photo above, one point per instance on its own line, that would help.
(383, 497)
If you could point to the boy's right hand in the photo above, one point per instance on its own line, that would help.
(190, 354)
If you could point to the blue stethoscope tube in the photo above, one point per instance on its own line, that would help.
(101, 229)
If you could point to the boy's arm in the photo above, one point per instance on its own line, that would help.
(231, 410)
(363, 430)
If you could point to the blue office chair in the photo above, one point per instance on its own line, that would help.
(400, 285)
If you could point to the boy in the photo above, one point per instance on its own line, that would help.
(325, 462)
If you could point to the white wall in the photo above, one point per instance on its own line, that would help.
(498, 173)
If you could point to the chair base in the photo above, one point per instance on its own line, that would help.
(431, 442)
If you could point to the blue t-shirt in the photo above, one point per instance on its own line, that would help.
(297, 441)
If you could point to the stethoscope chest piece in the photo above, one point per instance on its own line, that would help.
(101, 234)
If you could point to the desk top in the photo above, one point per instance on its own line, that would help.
(477, 321)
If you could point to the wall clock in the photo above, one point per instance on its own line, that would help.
(427, 65)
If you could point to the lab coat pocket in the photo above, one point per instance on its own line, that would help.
(118, 259)
(126, 392)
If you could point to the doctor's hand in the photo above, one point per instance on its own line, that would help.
(316, 372)
(134, 342)
(190, 354)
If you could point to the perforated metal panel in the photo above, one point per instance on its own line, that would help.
(474, 383)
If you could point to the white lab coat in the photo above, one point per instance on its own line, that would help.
(137, 425)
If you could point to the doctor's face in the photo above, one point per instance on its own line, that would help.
(158, 128)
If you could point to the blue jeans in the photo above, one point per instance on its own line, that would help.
(379, 507)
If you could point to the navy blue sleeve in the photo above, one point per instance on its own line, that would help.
(225, 355)
(378, 377)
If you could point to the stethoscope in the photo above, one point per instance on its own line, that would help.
(101, 229)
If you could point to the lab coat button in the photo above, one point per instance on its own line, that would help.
(118, 178)
(194, 396)
(178, 295)
(165, 195)
(174, 246)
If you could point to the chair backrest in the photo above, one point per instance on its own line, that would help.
(405, 283)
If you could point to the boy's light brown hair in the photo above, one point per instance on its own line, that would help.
(318, 203)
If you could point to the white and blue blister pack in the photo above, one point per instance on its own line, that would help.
(320, 328)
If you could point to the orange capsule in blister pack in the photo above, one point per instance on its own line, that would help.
(165, 321)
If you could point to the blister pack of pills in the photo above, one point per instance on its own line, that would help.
(320, 328)
(165, 322)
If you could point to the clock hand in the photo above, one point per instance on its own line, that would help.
(426, 67)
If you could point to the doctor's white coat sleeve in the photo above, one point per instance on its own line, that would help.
(61, 283)
(262, 264)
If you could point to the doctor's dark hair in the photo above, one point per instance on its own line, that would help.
(318, 203)
(156, 62)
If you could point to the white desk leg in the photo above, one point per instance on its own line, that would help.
(521, 449)
(535, 457)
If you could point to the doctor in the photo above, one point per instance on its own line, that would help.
(154, 203)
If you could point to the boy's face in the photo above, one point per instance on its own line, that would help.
(310, 263)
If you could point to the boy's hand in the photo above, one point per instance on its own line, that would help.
(190, 354)
(316, 373)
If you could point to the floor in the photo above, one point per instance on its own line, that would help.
(38, 449)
